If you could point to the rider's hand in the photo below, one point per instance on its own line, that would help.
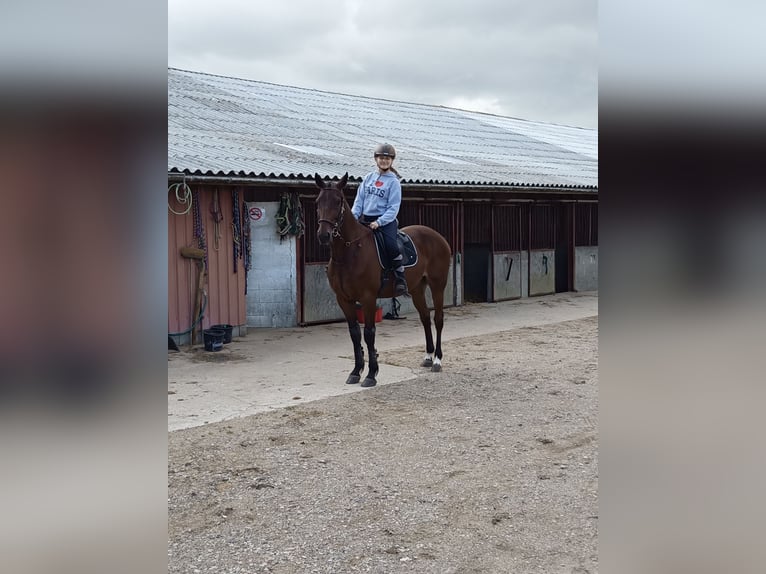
(374, 225)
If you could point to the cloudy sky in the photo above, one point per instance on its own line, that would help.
(528, 59)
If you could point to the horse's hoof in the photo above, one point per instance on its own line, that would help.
(369, 382)
(353, 379)
(437, 367)
(426, 363)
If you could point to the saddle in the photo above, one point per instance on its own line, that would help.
(406, 247)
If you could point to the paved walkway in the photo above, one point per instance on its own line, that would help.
(273, 368)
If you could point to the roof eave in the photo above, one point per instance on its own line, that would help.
(197, 176)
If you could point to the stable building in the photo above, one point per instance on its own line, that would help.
(516, 200)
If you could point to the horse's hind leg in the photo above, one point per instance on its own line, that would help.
(438, 297)
(419, 300)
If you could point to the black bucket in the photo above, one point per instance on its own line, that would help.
(226, 330)
(213, 339)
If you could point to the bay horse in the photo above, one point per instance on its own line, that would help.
(355, 276)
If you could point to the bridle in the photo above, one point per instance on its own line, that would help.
(337, 223)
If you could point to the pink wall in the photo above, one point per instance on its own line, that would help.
(225, 282)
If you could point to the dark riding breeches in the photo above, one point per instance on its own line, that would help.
(389, 232)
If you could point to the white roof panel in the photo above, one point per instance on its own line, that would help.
(233, 126)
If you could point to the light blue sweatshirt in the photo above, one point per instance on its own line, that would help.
(379, 195)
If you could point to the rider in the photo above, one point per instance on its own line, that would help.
(377, 204)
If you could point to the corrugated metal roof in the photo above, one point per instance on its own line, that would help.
(228, 126)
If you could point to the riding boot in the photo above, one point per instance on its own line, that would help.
(400, 283)
(384, 280)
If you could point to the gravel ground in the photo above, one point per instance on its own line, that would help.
(490, 466)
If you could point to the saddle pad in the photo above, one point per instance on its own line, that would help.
(406, 246)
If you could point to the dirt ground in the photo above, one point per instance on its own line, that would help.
(490, 466)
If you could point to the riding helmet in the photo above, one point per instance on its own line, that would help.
(385, 150)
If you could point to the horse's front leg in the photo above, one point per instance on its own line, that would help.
(349, 310)
(369, 339)
(356, 339)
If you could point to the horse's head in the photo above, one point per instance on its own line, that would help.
(330, 208)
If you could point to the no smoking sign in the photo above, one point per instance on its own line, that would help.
(256, 214)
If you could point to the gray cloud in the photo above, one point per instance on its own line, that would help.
(531, 60)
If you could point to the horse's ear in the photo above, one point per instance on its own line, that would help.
(343, 181)
(319, 181)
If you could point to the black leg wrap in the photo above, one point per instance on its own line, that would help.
(356, 339)
(369, 339)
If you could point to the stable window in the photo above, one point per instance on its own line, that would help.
(510, 228)
(543, 228)
(586, 224)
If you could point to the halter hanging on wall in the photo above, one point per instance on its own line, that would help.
(290, 215)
